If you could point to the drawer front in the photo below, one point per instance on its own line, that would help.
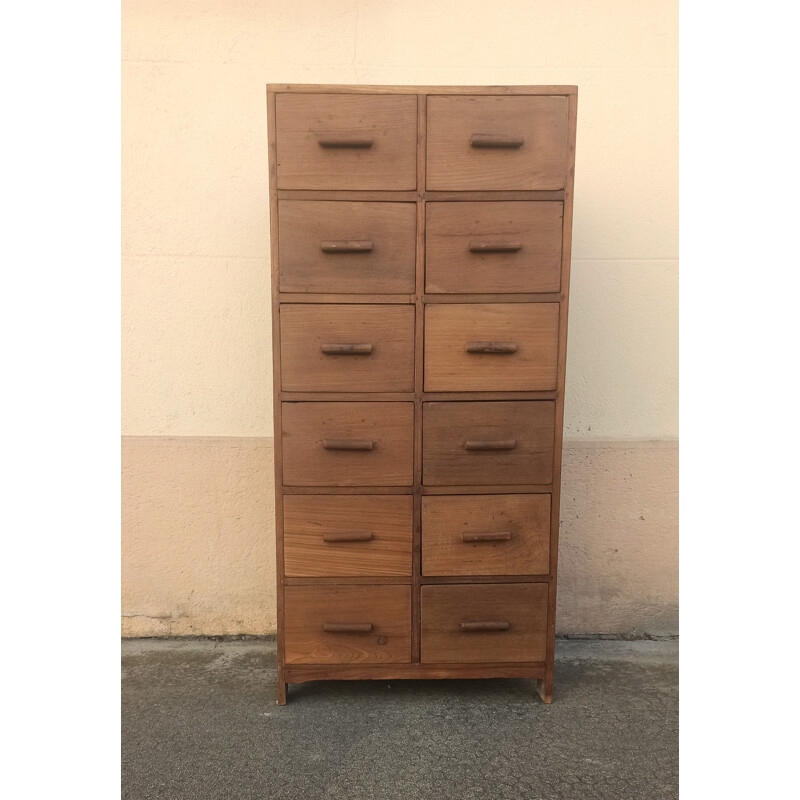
(347, 444)
(347, 624)
(346, 141)
(493, 247)
(491, 142)
(347, 535)
(346, 247)
(499, 534)
(483, 622)
(484, 443)
(491, 347)
(339, 348)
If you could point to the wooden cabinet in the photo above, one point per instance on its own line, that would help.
(420, 242)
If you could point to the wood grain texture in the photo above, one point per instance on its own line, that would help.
(372, 396)
(276, 366)
(356, 348)
(498, 210)
(527, 331)
(387, 609)
(494, 297)
(313, 523)
(390, 122)
(452, 229)
(444, 608)
(302, 673)
(539, 163)
(388, 267)
(422, 121)
(495, 196)
(452, 529)
(352, 580)
(360, 88)
(448, 426)
(307, 463)
(367, 299)
(546, 685)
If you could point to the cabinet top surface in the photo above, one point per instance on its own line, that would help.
(365, 89)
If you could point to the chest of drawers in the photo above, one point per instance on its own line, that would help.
(420, 243)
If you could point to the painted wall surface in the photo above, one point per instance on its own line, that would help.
(198, 537)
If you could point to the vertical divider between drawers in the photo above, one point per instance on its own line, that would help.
(418, 377)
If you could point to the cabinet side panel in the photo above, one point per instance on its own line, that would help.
(276, 404)
(546, 686)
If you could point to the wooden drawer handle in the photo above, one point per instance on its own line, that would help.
(490, 536)
(496, 141)
(491, 444)
(355, 536)
(353, 142)
(496, 348)
(484, 625)
(346, 246)
(347, 627)
(348, 444)
(346, 349)
(495, 247)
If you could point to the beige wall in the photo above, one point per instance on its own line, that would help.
(197, 418)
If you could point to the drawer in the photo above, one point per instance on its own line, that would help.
(484, 443)
(347, 535)
(491, 347)
(346, 247)
(492, 142)
(487, 622)
(339, 348)
(347, 624)
(499, 534)
(347, 444)
(493, 247)
(346, 141)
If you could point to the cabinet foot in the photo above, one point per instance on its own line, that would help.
(544, 687)
(282, 690)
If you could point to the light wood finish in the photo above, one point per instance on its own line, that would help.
(464, 250)
(356, 535)
(353, 348)
(385, 609)
(502, 346)
(510, 442)
(387, 426)
(501, 238)
(535, 128)
(486, 535)
(386, 125)
(467, 623)
(307, 266)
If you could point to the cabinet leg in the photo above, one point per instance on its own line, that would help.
(545, 688)
(282, 690)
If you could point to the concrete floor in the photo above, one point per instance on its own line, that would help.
(199, 720)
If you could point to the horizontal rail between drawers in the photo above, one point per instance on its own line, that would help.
(410, 196)
(494, 488)
(406, 580)
(428, 299)
(321, 397)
